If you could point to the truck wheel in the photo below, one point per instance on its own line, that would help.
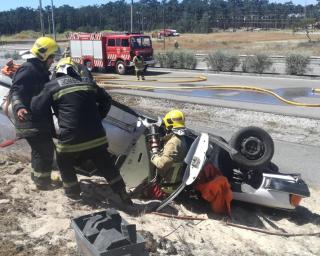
(255, 147)
(121, 68)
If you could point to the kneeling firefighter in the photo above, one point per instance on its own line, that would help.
(169, 161)
(79, 105)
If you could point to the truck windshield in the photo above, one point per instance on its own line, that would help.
(141, 42)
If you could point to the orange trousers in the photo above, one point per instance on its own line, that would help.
(215, 189)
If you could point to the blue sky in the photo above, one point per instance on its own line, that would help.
(12, 4)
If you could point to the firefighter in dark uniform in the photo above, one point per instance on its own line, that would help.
(28, 82)
(79, 105)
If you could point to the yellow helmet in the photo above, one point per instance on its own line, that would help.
(44, 47)
(65, 63)
(67, 66)
(174, 119)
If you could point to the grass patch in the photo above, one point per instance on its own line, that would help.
(176, 59)
(296, 64)
(222, 61)
(256, 63)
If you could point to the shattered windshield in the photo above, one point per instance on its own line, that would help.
(141, 42)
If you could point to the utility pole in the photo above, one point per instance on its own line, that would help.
(142, 23)
(131, 30)
(53, 26)
(164, 29)
(49, 23)
(41, 18)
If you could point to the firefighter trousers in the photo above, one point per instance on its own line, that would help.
(42, 153)
(102, 160)
(139, 73)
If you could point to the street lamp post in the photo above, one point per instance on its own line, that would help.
(142, 23)
(131, 30)
(41, 17)
(53, 26)
(164, 28)
(49, 23)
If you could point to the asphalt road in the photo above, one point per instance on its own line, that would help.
(291, 88)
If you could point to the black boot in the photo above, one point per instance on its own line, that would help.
(73, 192)
(125, 198)
(42, 183)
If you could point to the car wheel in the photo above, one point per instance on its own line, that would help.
(145, 68)
(255, 147)
(120, 68)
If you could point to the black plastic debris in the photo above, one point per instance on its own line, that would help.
(106, 233)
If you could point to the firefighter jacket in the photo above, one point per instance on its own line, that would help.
(138, 63)
(28, 82)
(169, 162)
(79, 106)
(10, 70)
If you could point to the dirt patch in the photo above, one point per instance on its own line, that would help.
(243, 42)
(38, 222)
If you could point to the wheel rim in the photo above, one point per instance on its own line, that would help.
(121, 68)
(252, 148)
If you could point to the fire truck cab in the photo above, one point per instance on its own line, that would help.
(110, 50)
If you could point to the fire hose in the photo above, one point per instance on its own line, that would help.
(211, 87)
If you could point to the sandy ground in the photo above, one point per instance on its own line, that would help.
(38, 222)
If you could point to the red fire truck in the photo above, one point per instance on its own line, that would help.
(104, 50)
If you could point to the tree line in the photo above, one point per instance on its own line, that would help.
(200, 16)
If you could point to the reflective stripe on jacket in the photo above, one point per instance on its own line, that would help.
(66, 148)
(80, 106)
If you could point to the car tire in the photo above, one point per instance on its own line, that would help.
(255, 147)
(121, 68)
(145, 68)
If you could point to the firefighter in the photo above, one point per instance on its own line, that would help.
(66, 53)
(28, 82)
(139, 66)
(10, 68)
(169, 161)
(176, 44)
(79, 105)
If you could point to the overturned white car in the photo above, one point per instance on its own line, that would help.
(245, 160)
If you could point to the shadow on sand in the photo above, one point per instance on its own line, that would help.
(100, 195)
